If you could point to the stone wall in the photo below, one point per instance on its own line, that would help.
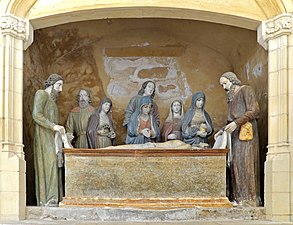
(114, 57)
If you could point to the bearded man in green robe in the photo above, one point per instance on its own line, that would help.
(78, 119)
(45, 116)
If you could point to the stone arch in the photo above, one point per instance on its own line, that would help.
(247, 15)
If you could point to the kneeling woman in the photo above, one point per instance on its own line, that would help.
(142, 127)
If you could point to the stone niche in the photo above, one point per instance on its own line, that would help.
(114, 57)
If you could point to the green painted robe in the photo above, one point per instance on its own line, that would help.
(45, 116)
(77, 123)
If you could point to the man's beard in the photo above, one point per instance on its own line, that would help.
(83, 104)
(54, 94)
(230, 93)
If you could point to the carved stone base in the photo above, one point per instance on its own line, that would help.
(145, 178)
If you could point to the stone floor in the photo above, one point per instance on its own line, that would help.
(130, 216)
(107, 214)
(202, 222)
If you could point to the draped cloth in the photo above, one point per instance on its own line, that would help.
(77, 123)
(223, 141)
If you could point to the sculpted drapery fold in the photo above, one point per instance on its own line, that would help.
(245, 154)
(45, 116)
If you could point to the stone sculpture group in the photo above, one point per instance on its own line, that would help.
(88, 127)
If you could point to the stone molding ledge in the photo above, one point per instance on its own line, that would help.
(275, 27)
(146, 203)
(14, 26)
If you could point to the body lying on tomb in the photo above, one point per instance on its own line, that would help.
(174, 144)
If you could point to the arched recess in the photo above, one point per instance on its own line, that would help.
(41, 19)
(217, 11)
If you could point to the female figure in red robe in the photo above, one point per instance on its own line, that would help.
(142, 126)
(173, 123)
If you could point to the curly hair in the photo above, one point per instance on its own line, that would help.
(52, 79)
(232, 78)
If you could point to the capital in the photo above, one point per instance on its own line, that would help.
(12, 25)
(275, 27)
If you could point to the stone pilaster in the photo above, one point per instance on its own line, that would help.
(277, 36)
(12, 163)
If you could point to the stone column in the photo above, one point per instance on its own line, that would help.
(12, 163)
(276, 36)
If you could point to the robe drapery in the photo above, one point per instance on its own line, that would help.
(45, 117)
(77, 123)
(172, 128)
(134, 125)
(173, 125)
(245, 154)
(133, 105)
(95, 140)
(189, 133)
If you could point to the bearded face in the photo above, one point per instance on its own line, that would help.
(56, 89)
(229, 87)
(83, 99)
(83, 104)
(230, 93)
(54, 94)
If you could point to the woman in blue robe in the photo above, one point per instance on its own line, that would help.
(142, 126)
(197, 124)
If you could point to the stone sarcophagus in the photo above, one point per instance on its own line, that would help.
(145, 178)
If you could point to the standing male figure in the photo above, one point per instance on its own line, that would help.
(244, 167)
(78, 119)
(45, 116)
